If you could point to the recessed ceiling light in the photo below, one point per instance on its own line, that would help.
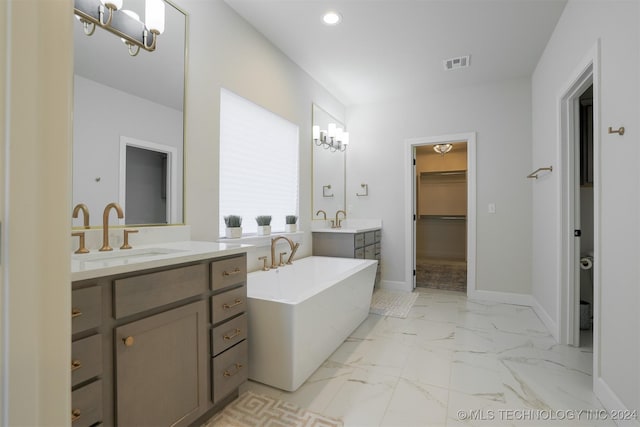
(331, 18)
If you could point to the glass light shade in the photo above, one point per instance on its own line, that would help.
(339, 134)
(316, 132)
(132, 14)
(332, 130)
(442, 148)
(154, 15)
(113, 4)
(345, 138)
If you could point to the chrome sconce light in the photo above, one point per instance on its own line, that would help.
(334, 138)
(442, 149)
(125, 24)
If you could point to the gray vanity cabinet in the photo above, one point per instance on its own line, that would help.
(160, 347)
(364, 245)
(161, 369)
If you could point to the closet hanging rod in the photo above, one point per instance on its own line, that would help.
(534, 174)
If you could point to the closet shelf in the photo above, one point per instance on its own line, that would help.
(444, 173)
(445, 217)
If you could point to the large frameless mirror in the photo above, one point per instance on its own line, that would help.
(128, 123)
(329, 168)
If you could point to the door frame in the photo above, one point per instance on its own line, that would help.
(569, 136)
(172, 173)
(410, 203)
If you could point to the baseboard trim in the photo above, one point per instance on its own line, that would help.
(543, 315)
(502, 297)
(612, 402)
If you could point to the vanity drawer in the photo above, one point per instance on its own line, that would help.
(369, 237)
(86, 311)
(370, 252)
(359, 253)
(139, 293)
(86, 405)
(229, 370)
(358, 240)
(228, 272)
(228, 304)
(378, 235)
(228, 334)
(86, 359)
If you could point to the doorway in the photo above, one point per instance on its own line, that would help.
(465, 226)
(148, 182)
(441, 222)
(579, 148)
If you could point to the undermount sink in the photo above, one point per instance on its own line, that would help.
(118, 255)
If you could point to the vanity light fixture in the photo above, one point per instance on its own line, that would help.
(442, 149)
(334, 138)
(331, 18)
(125, 24)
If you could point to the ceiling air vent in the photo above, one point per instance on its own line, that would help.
(453, 63)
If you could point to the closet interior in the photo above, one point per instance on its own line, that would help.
(441, 223)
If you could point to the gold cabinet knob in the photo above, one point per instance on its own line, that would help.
(75, 415)
(128, 341)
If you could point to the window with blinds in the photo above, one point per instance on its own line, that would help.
(258, 164)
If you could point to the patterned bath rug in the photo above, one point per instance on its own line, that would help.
(258, 410)
(394, 304)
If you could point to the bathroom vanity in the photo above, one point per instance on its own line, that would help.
(158, 337)
(362, 242)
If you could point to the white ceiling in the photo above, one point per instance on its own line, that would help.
(386, 49)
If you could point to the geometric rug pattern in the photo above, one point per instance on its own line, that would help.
(390, 303)
(257, 410)
(448, 276)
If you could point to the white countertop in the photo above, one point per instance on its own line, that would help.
(351, 225)
(345, 230)
(99, 264)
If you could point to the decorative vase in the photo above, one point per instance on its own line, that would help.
(264, 230)
(233, 232)
(290, 228)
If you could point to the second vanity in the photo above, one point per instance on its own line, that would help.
(354, 239)
(158, 333)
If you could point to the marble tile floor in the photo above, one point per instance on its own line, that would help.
(451, 362)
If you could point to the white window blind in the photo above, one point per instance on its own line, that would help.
(258, 164)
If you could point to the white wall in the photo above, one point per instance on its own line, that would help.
(615, 24)
(35, 232)
(101, 116)
(225, 51)
(501, 115)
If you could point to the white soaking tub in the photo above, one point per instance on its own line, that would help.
(300, 314)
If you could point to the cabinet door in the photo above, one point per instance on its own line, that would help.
(161, 368)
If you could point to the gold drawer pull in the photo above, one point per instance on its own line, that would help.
(75, 415)
(75, 364)
(235, 334)
(128, 341)
(75, 313)
(226, 306)
(228, 373)
(231, 273)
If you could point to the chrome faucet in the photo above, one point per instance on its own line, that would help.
(85, 213)
(294, 248)
(323, 214)
(344, 216)
(105, 224)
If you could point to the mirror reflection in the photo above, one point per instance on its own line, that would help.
(329, 166)
(128, 123)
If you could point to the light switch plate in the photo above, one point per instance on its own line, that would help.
(492, 208)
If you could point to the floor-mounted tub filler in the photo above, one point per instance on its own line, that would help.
(300, 314)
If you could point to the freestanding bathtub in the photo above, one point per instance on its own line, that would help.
(300, 314)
